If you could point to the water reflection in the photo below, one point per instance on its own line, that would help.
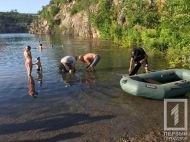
(39, 77)
(85, 78)
(31, 87)
(67, 79)
(101, 87)
(89, 78)
(113, 64)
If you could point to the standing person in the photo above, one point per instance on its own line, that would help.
(90, 59)
(40, 46)
(39, 70)
(139, 57)
(68, 64)
(28, 60)
(38, 64)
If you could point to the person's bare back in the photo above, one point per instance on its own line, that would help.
(89, 56)
(91, 59)
(38, 64)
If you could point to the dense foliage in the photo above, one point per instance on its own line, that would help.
(153, 24)
(14, 22)
(164, 26)
(175, 31)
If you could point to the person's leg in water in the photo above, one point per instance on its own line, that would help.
(95, 62)
(146, 69)
(146, 66)
(28, 65)
(30, 68)
(27, 68)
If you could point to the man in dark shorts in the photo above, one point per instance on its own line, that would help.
(139, 57)
(68, 64)
(90, 59)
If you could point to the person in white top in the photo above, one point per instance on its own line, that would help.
(68, 64)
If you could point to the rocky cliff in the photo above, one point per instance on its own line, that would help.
(77, 24)
(75, 17)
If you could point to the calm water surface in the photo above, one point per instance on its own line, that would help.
(89, 92)
(13, 77)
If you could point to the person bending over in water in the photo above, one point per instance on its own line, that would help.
(38, 64)
(90, 59)
(28, 60)
(68, 64)
(139, 57)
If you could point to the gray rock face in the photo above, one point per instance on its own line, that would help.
(76, 25)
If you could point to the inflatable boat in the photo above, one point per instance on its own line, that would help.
(159, 84)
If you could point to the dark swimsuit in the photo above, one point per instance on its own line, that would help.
(138, 54)
(95, 61)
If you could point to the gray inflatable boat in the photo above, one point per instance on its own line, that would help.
(159, 84)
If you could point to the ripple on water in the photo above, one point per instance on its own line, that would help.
(103, 84)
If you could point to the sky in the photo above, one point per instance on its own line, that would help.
(22, 6)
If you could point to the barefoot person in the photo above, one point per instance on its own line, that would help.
(90, 59)
(139, 57)
(28, 60)
(68, 64)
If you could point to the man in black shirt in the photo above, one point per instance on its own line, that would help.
(139, 57)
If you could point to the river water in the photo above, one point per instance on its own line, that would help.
(88, 106)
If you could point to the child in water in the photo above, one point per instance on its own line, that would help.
(38, 64)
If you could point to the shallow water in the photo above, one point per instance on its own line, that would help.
(13, 78)
(88, 96)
